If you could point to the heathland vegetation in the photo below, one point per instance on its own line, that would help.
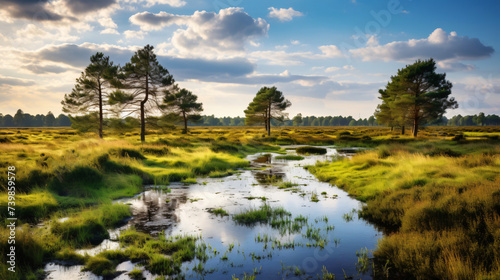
(439, 190)
(436, 196)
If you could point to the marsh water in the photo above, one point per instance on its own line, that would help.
(330, 238)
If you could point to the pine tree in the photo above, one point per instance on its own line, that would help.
(92, 89)
(182, 103)
(144, 81)
(415, 96)
(268, 104)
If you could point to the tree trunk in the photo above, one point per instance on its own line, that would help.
(415, 128)
(265, 120)
(269, 119)
(143, 119)
(100, 110)
(403, 130)
(185, 122)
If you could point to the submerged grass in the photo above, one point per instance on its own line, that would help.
(441, 206)
(264, 214)
(161, 255)
(290, 157)
(311, 150)
(60, 172)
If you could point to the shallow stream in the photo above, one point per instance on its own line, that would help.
(330, 238)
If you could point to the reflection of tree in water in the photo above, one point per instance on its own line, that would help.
(270, 175)
(154, 211)
(263, 159)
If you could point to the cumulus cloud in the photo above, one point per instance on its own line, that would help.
(78, 56)
(477, 94)
(10, 81)
(331, 51)
(107, 22)
(37, 10)
(45, 69)
(74, 55)
(455, 66)
(345, 67)
(282, 57)
(33, 32)
(131, 34)
(284, 14)
(110, 31)
(284, 77)
(149, 3)
(207, 34)
(54, 11)
(85, 6)
(150, 21)
(439, 45)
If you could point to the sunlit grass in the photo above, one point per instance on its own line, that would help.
(413, 186)
(441, 207)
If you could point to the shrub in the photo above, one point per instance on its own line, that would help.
(130, 153)
(458, 137)
(311, 150)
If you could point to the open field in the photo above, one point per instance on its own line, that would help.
(437, 196)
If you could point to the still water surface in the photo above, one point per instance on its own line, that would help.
(185, 210)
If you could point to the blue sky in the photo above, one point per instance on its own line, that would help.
(328, 57)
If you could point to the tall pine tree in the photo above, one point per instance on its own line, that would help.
(182, 104)
(269, 103)
(92, 88)
(144, 81)
(416, 95)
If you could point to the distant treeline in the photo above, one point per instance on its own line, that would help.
(21, 119)
(298, 120)
(295, 121)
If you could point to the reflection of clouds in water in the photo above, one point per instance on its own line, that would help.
(56, 271)
(152, 213)
(183, 215)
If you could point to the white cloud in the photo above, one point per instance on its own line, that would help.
(331, 51)
(438, 45)
(150, 3)
(107, 22)
(477, 94)
(11, 81)
(282, 57)
(33, 32)
(131, 34)
(149, 21)
(332, 69)
(284, 14)
(207, 34)
(455, 66)
(255, 44)
(110, 31)
(295, 42)
(42, 69)
(345, 67)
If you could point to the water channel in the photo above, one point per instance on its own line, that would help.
(185, 209)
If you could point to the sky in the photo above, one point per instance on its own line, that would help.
(328, 57)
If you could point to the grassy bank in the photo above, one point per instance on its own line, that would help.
(439, 203)
(61, 173)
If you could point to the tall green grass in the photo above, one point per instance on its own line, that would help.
(441, 209)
